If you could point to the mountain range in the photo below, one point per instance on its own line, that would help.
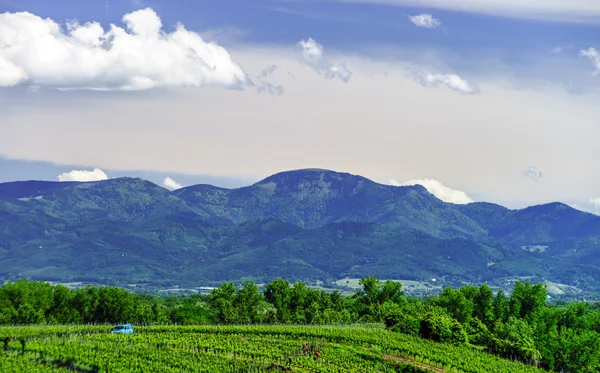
(300, 225)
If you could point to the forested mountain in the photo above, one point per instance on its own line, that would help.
(300, 225)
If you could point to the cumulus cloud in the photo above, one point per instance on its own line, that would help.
(533, 173)
(10, 74)
(594, 56)
(312, 53)
(171, 184)
(83, 175)
(141, 55)
(439, 190)
(425, 21)
(452, 81)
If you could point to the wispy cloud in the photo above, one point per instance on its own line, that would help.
(555, 10)
(312, 53)
(83, 175)
(319, 16)
(272, 89)
(439, 190)
(533, 173)
(452, 81)
(138, 3)
(171, 184)
(226, 34)
(264, 86)
(139, 56)
(594, 56)
(268, 70)
(425, 21)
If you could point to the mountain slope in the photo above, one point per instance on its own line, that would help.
(314, 198)
(304, 224)
(122, 199)
(535, 225)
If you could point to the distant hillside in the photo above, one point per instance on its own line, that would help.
(301, 225)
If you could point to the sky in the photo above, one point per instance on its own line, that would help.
(478, 101)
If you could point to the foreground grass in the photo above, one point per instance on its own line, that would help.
(92, 349)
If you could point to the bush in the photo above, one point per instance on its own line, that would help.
(514, 340)
(478, 333)
(406, 324)
(440, 327)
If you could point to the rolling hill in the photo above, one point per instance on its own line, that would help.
(301, 225)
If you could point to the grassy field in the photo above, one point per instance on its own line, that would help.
(235, 349)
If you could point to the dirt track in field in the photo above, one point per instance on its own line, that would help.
(425, 367)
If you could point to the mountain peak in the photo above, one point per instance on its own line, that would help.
(549, 207)
(307, 174)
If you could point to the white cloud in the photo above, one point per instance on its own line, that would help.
(556, 10)
(171, 184)
(340, 71)
(312, 52)
(595, 202)
(142, 55)
(425, 21)
(439, 190)
(452, 81)
(592, 206)
(594, 56)
(10, 74)
(533, 173)
(83, 175)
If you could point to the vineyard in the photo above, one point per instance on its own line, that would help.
(88, 349)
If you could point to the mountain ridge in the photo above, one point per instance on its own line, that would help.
(303, 224)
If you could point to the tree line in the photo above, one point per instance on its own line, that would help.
(521, 326)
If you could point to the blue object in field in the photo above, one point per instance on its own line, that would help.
(123, 329)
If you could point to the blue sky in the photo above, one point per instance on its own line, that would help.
(472, 106)
(335, 24)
